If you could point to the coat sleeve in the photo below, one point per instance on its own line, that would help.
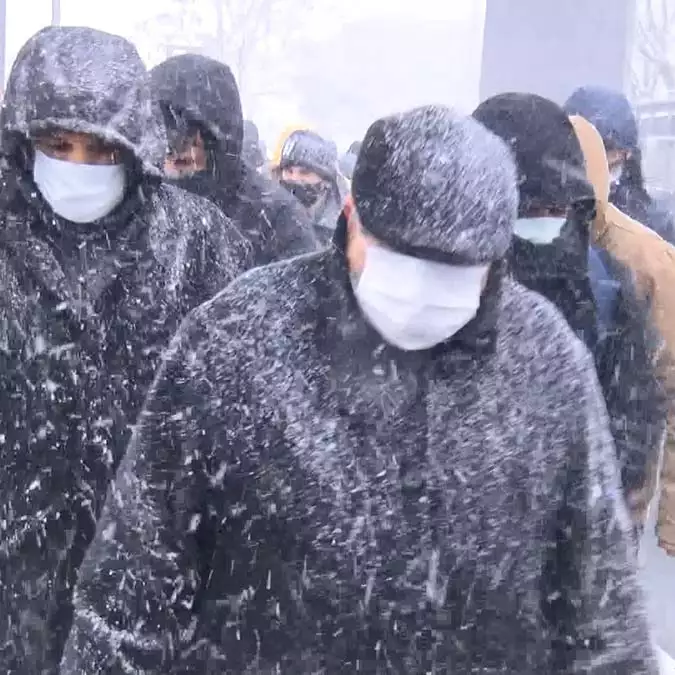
(273, 221)
(295, 232)
(593, 598)
(652, 261)
(289, 230)
(135, 606)
(635, 392)
(201, 248)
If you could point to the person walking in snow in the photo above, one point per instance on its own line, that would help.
(362, 460)
(611, 114)
(201, 106)
(553, 254)
(308, 169)
(652, 262)
(99, 263)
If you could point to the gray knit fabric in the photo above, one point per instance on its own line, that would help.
(437, 182)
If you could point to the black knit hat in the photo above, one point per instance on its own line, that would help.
(551, 168)
(435, 184)
(307, 149)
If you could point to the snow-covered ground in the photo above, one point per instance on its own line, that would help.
(658, 575)
(667, 664)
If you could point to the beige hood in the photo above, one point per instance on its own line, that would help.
(597, 171)
(595, 157)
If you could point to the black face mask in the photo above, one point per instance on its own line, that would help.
(200, 183)
(308, 194)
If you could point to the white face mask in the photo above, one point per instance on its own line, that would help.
(539, 230)
(81, 193)
(415, 304)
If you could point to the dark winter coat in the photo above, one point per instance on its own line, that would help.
(205, 91)
(85, 313)
(295, 502)
(326, 216)
(552, 178)
(625, 350)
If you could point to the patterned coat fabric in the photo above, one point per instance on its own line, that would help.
(300, 497)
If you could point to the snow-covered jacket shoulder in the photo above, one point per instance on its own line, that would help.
(188, 230)
(273, 220)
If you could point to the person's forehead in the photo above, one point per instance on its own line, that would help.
(184, 136)
(72, 136)
(299, 168)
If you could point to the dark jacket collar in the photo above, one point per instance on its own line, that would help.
(565, 258)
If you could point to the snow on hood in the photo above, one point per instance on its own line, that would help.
(84, 80)
(206, 91)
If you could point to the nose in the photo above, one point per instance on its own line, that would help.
(80, 154)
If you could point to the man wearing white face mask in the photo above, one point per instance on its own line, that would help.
(552, 254)
(385, 457)
(80, 176)
(99, 264)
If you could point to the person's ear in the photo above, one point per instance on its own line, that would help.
(356, 242)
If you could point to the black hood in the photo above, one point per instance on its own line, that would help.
(81, 79)
(551, 166)
(253, 151)
(206, 92)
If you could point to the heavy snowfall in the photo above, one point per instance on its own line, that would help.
(337, 337)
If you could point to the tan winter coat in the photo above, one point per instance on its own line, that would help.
(652, 261)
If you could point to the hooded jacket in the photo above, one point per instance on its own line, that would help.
(652, 261)
(612, 115)
(206, 93)
(85, 313)
(293, 500)
(552, 175)
(307, 149)
(253, 149)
